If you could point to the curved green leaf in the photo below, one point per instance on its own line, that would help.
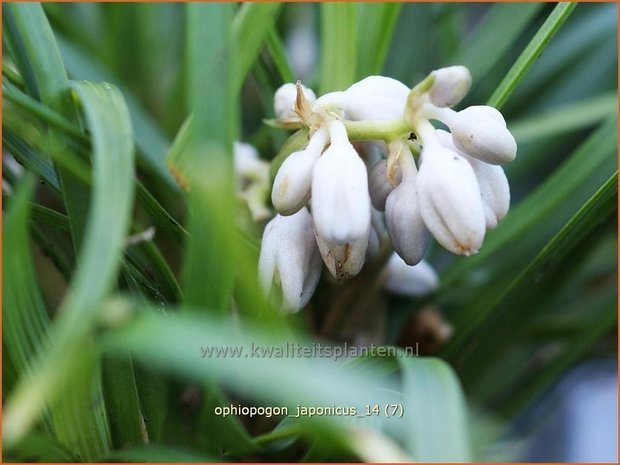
(435, 414)
(531, 53)
(70, 360)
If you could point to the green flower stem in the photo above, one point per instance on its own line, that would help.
(377, 130)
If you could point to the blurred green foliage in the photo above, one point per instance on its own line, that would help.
(102, 334)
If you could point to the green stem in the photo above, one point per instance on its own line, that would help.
(377, 130)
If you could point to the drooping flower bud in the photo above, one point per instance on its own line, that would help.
(341, 205)
(410, 281)
(494, 187)
(252, 179)
(291, 187)
(376, 98)
(289, 255)
(450, 201)
(480, 131)
(451, 84)
(285, 98)
(405, 226)
(379, 186)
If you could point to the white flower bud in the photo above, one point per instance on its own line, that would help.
(373, 98)
(341, 205)
(247, 163)
(376, 98)
(379, 186)
(291, 187)
(450, 86)
(410, 281)
(450, 201)
(289, 254)
(284, 101)
(405, 226)
(252, 179)
(494, 187)
(481, 132)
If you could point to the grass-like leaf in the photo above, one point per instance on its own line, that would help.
(533, 50)
(66, 360)
(497, 32)
(338, 46)
(251, 28)
(514, 243)
(435, 414)
(564, 119)
(38, 58)
(519, 300)
(375, 26)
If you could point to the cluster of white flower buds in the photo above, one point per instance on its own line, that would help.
(427, 181)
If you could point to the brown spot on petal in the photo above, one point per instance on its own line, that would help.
(347, 252)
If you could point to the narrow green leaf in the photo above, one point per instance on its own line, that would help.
(531, 53)
(501, 319)
(44, 113)
(498, 30)
(375, 26)
(471, 284)
(149, 140)
(577, 347)
(39, 62)
(38, 448)
(71, 360)
(165, 342)
(153, 392)
(278, 54)
(207, 273)
(583, 36)
(437, 429)
(251, 28)
(35, 162)
(564, 119)
(155, 453)
(338, 46)
(25, 320)
(122, 403)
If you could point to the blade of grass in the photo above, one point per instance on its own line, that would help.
(38, 58)
(436, 421)
(70, 359)
(39, 448)
(121, 400)
(154, 453)
(531, 53)
(497, 31)
(497, 322)
(161, 217)
(208, 267)
(251, 27)
(581, 36)
(472, 283)
(24, 101)
(25, 321)
(149, 140)
(278, 54)
(577, 348)
(338, 46)
(375, 26)
(564, 119)
(207, 273)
